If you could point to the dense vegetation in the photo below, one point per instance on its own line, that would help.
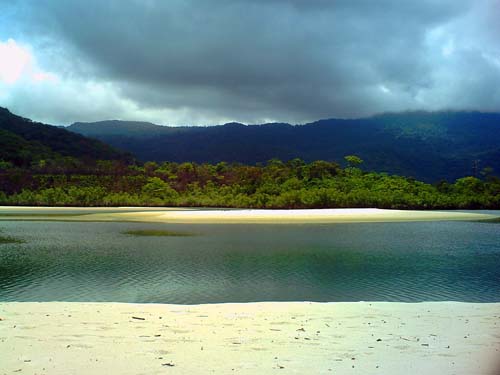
(24, 143)
(294, 184)
(428, 146)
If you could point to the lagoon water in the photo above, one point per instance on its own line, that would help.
(409, 262)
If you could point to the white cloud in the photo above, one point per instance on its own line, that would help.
(14, 61)
(19, 66)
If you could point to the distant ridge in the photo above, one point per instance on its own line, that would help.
(114, 127)
(425, 145)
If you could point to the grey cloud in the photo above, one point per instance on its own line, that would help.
(269, 59)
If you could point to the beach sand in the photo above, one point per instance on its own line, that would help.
(238, 216)
(254, 338)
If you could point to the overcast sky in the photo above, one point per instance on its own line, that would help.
(206, 62)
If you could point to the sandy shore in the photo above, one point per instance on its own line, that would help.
(257, 338)
(180, 215)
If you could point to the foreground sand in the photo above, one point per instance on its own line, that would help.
(182, 215)
(257, 338)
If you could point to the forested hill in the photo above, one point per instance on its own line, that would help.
(24, 143)
(426, 145)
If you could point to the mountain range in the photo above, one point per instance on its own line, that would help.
(429, 146)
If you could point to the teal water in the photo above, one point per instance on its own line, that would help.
(423, 261)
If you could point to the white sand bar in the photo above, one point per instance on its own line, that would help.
(180, 215)
(256, 338)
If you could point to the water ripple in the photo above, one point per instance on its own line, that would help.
(238, 263)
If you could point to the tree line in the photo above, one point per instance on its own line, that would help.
(275, 184)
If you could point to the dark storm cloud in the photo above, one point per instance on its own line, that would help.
(273, 59)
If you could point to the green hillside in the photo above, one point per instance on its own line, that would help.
(24, 143)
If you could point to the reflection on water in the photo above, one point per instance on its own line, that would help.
(239, 263)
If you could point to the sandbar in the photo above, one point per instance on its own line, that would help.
(238, 216)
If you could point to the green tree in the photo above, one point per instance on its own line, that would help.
(157, 188)
(353, 161)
